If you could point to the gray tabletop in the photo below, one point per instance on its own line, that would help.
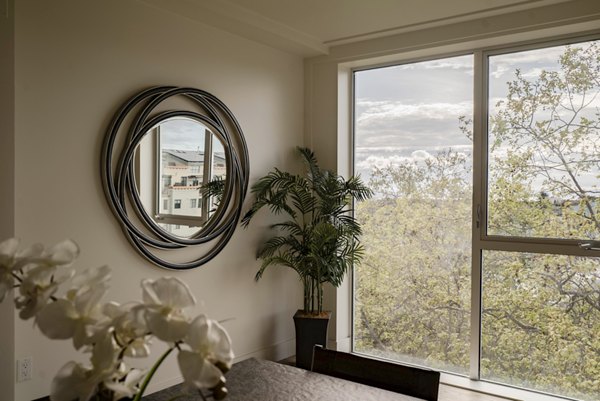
(259, 380)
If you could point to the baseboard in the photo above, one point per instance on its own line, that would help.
(275, 352)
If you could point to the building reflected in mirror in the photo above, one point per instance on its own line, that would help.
(189, 157)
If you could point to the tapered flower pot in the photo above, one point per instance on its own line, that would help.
(310, 330)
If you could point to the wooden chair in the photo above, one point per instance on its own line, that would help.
(419, 383)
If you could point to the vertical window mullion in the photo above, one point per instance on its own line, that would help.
(478, 221)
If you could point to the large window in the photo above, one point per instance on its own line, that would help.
(480, 240)
(413, 288)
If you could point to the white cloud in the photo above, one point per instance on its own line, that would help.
(453, 63)
(182, 133)
(499, 70)
(533, 73)
(546, 55)
(396, 110)
(421, 155)
(461, 63)
(370, 158)
(411, 149)
(381, 161)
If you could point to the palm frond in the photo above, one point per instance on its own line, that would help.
(289, 226)
(274, 244)
(214, 188)
(320, 240)
(314, 172)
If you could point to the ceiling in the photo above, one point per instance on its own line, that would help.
(311, 27)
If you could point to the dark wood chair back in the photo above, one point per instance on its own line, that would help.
(416, 382)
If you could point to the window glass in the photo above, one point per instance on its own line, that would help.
(413, 146)
(544, 143)
(541, 322)
(538, 188)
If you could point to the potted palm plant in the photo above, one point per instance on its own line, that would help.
(319, 238)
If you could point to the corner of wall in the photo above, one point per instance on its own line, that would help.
(7, 169)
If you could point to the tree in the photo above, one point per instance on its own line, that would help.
(418, 204)
(541, 312)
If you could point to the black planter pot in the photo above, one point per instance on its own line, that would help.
(310, 330)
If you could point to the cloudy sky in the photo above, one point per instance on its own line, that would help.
(186, 134)
(182, 134)
(409, 112)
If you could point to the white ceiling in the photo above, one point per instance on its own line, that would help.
(310, 27)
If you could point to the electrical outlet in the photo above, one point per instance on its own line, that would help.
(25, 369)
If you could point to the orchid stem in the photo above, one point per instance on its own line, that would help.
(148, 377)
(19, 279)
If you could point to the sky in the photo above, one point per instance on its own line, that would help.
(409, 112)
(185, 134)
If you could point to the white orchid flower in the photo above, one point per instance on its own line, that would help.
(8, 250)
(110, 331)
(130, 328)
(37, 287)
(12, 260)
(165, 299)
(210, 345)
(128, 386)
(72, 382)
(61, 254)
(75, 382)
(37, 269)
(79, 315)
(89, 278)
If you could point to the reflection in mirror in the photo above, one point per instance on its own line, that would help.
(179, 163)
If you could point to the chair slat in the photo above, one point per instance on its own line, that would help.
(416, 382)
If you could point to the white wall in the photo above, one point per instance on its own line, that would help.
(328, 119)
(76, 62)
(7, 184)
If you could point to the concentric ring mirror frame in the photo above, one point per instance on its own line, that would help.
(130, 124)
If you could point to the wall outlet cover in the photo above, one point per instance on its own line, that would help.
(25, 369)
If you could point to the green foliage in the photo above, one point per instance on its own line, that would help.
(541, 312)
(319, 238)
(413, 287)
(214, 189)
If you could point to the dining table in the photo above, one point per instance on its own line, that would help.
(261, 380)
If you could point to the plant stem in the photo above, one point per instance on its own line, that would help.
(320, 295)
(148, 377)
(16, 277)
(306, 286)
(312, 295)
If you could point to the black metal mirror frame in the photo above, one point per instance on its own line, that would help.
(119, 180)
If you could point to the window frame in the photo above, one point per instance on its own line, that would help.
(481, 240)
(207, 171)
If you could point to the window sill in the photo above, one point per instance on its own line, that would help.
(486, 391)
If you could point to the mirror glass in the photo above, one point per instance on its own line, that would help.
(180, 172)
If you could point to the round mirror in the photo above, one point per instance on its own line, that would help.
(177, 159)
(181, 172)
